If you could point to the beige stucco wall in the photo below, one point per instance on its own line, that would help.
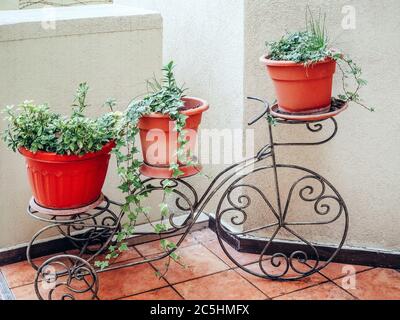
(205, 39)
(364, 159)
(114, 52)
(9, 4)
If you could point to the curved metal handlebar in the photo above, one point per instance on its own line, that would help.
(266, 111)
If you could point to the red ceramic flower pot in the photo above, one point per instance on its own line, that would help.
(302, 89)
(67, 181)
(159, 139)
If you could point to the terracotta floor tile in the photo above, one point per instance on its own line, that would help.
(21, 273)
(154, 247)
(228, 285)
(167, 293)
(113, 284)
(338, 270)
(199, 262)
(77, 290)
(242, 258)
(326, 291)
(376, 284)
(132, 253)
(25, 293)
(28, 292)
(204, 235)
(273, 288)
(128, 281)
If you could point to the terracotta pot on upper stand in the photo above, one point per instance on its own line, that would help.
(302, 89)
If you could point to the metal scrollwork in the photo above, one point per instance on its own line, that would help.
(66, 277)
(89, 233)
(318, 204)
(185, 203)
(282, 265)
(327, 205)
(313, 127)
(323, 203)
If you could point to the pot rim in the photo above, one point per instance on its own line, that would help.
(285, 63)
(44, 156)
(204, 106)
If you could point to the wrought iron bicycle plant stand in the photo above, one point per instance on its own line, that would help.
(91, 230)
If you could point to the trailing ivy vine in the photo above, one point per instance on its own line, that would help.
(165, 98)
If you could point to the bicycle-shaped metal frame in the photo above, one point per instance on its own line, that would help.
(72, 276)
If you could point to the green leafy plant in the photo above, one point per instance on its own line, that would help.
(165, 97)
(311, 46)
(37, 128)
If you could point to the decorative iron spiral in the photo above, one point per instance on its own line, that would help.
(184, 202)
(66, 277)
(273, 263)
(313, 127)
(90, 234)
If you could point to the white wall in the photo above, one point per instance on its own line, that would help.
(114, 52)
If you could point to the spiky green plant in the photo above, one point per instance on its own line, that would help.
(311, 46)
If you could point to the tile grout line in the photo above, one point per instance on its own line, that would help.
(196, 278)
(268, 297)
(233, 269)
(5, 291)
(165, 279)
(139, 293)
(122, 261)
(243, 277)
(169, 285)
(172, 286)
(355, 297)
(298, 290)
(31, 282)
(335, 284)
(305, 288)
(332, 281)
(177, 292)
(133, 295)
(328, 280)
(209, 250)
